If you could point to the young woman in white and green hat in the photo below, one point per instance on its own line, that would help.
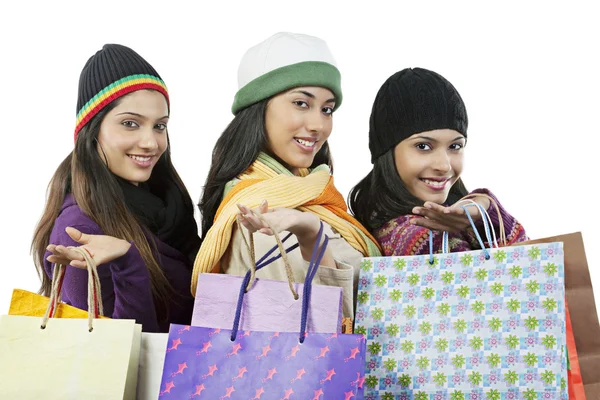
(274, 157)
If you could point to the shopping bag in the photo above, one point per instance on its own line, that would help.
(582, 308)
(69, 358)
(269, 305)
(216, 363)
(575, 381)
(483, 324)
(31, 304)
(152, 359)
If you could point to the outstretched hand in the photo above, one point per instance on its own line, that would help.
(304, 225)
(446, 218)
(101, 248)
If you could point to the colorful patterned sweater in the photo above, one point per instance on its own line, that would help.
(398, 237)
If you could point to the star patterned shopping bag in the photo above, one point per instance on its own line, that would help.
(218, 364)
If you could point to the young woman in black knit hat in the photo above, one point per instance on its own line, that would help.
(119, 181)
(417, 138)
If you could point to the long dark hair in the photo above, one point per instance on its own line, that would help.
(382, 196)
(236, 149)
(99, 195)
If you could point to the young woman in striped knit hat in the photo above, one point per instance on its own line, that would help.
(417, 138)
(119, 181)
(274, 157)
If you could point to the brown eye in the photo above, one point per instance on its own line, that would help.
(423, 146)
(161, 127)
(129, 124)
(301, 103)
(328, 110)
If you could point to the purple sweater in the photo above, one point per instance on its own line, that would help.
(399, 238)
(125, 282)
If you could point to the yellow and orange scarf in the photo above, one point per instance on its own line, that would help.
(311, 191)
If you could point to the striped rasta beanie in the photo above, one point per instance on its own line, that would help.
(111, 73)
(282, 62)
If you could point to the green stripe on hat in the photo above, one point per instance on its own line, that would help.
(308, 73)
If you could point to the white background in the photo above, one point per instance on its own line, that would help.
(528, 73)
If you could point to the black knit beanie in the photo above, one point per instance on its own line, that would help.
(111, 73)
(411, 101)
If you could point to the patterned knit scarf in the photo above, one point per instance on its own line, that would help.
(311, 191)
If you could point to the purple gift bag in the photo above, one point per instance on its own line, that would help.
(268, 305)
(215, 363)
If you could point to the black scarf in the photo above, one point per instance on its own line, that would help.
(165, 214)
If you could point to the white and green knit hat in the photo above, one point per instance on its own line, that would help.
(284, 61)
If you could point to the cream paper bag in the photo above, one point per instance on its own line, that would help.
(62, 358)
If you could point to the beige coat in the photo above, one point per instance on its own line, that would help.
(236, 261)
